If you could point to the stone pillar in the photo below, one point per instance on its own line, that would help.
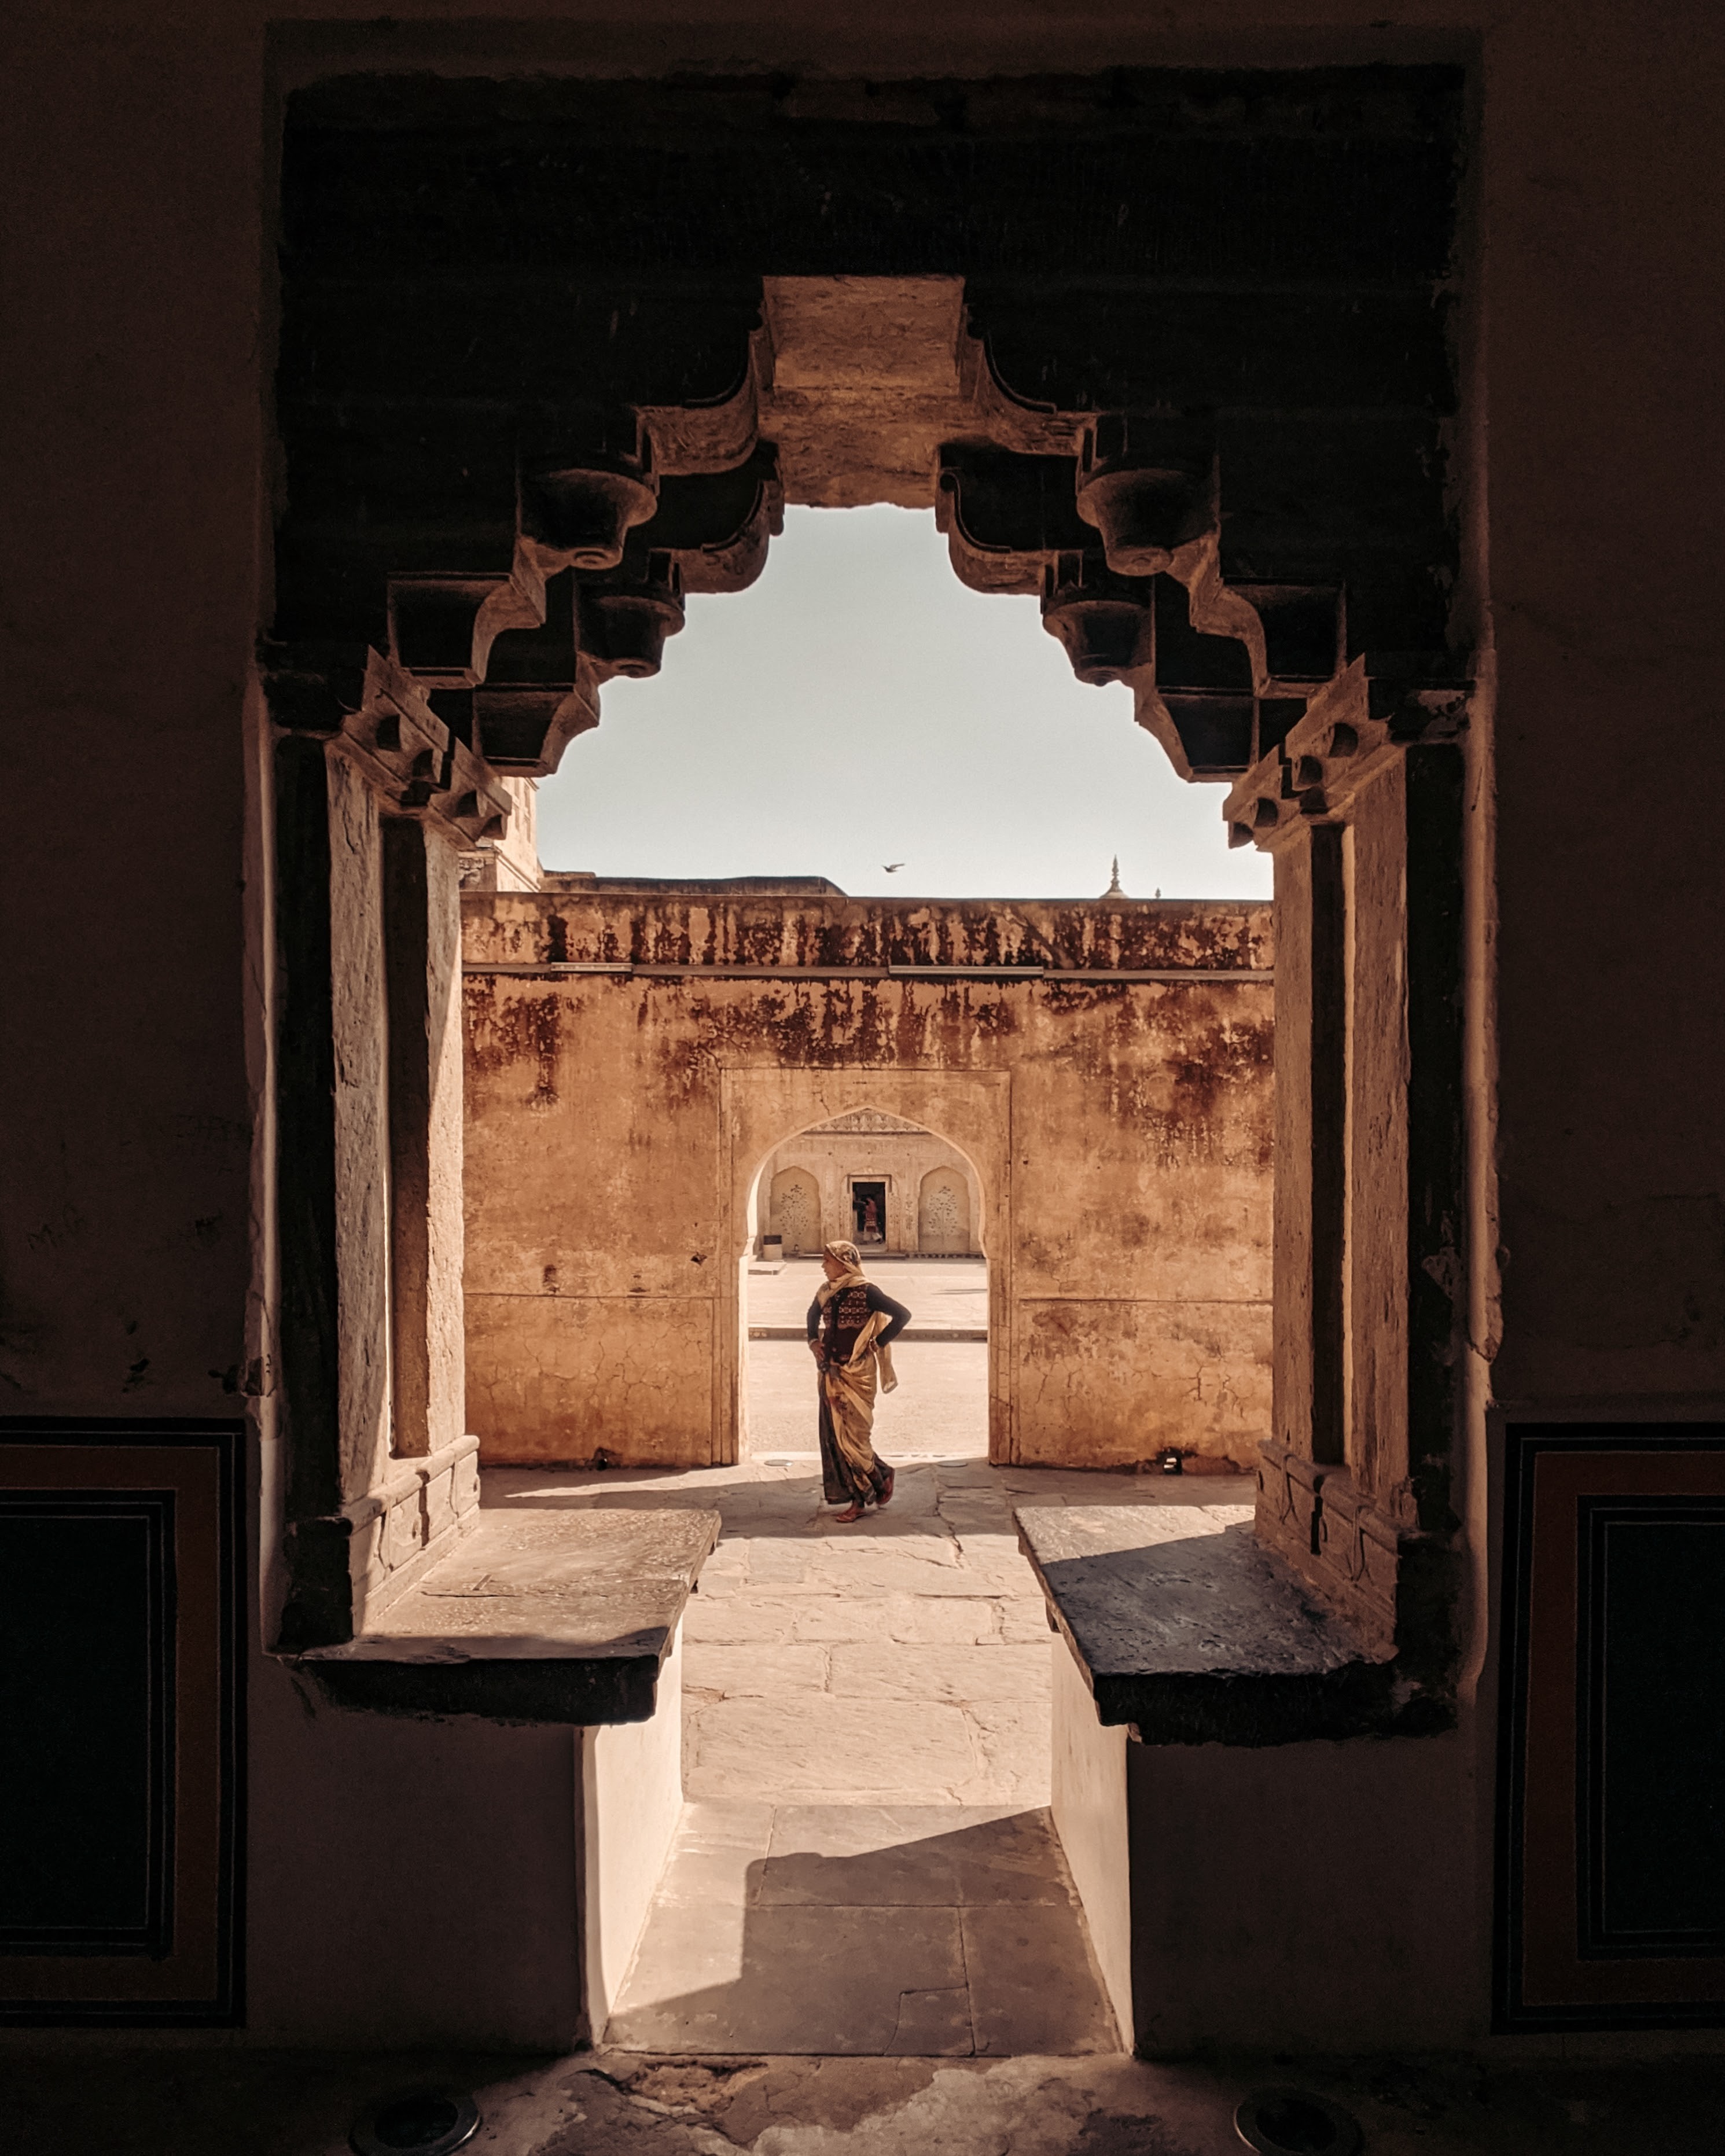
(374, 806)
(1309, 1117)
(1363, 816)
(422, 947)
(361, 1149)
(320, 1600)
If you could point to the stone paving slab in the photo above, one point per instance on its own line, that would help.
(904, 1750)
(865, 1929)
(954, 1676)
(803, 1978)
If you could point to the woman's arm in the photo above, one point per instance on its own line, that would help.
(900, 1317)
(815, 1325)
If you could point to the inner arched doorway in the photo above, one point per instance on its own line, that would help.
(911, 1201)
(969, 1111)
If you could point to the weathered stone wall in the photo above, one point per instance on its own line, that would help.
(1119, 1130)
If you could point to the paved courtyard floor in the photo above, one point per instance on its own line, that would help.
(867, 1864)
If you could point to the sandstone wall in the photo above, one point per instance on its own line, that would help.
(1119, 1131)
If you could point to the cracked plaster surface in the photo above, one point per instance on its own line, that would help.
(173, 2102)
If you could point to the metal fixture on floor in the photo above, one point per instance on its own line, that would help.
(432, 2121)
(1291, 2122)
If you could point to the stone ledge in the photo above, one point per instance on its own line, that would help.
(565, 1617)
(1187, 1628)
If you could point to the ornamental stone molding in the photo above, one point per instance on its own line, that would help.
(1068, 316)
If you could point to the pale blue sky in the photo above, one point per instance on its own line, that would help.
(858, 705)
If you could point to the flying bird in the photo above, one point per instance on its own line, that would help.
(892, 868)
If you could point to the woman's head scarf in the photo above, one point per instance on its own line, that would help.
(848, 1256)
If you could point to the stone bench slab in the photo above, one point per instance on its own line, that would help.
(563, 1617)
(1187, 1628)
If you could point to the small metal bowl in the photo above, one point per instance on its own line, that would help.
(1293, 2122)
(424, 2121)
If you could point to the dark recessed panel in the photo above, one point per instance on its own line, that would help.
(121, 1681)
(1652, 1701)
(86, 1701)
(1610, 1902)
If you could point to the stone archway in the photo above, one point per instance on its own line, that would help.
(763, 1109)
(1220, 462)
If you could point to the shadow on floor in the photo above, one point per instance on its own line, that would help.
(786, 1505)
(971, 1497)
(938, 1931)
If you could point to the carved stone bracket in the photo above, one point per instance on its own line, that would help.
(409, 757)
(715, 434)
(1347, 734)
(1025, 425)
(586, 480)
(623, 619)
(1148, 482)
(1104, 621)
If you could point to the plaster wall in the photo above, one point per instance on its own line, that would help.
(1304, 1896)
(412, 1882)
(1088, 1799)
(631, 1800)
(1119, 1134)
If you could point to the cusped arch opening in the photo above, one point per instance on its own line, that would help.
(791, 1205)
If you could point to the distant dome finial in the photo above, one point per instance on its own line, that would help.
(1114, 890)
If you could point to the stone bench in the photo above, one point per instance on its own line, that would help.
(544, 1616)
(557, 1616)
(1226, 1817)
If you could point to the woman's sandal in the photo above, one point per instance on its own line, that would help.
(885, 1496)
(844, 1519)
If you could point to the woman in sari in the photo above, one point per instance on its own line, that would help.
(851, 1328)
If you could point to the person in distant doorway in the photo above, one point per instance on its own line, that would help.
(851, 1328)
(871, 1221)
